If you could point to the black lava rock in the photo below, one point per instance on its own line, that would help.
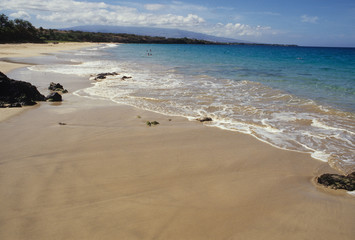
(336, 181)
(54, 97)
(204, 119)
(18, 93)
(102, 76)
(57, 87)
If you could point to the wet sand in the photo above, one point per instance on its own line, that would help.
(106, 175)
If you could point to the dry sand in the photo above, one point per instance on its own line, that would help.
(107, 175)
(30, 50)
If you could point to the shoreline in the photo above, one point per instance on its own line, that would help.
(28, 50)
(25, 50)
(106, 174)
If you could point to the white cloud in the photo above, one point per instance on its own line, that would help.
(174, 15)
(125, 18)
(176, 5)
(21, 15)
(309, 19)
(76, 12)
(238, 30)
(154, 7)
(50, 6)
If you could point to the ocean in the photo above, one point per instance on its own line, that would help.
(295, 98)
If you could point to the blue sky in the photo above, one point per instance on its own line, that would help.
(302, 22)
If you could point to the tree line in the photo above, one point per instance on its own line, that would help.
(17, 30)
(80, 36)
(21, 31)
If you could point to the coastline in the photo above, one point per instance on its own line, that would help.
(27, 50)
(105, 174)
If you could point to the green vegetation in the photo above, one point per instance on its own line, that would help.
(17, 31)
(79, 36)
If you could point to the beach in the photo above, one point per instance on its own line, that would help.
(104, 174)
(10, 51)
(33, 49)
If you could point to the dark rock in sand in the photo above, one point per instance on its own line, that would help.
(18, 93)
(125, 77)
(205, 119)
(54, 86)
(102, 76)
(54, 97)
(336, 181)
(57, 87)
(154, 123)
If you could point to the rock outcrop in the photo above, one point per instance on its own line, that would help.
(204, 119)
(336, 181)
(125, 78)
(15, 93)
(154, 123)
(54, 97)
(102, 76)
(57, 87)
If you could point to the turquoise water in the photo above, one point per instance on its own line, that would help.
(326, 75)
(295, 98)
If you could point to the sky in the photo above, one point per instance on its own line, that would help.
(303, 22)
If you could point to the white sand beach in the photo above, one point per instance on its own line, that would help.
(104, 174)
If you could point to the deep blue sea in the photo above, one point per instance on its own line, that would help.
(295, 98)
